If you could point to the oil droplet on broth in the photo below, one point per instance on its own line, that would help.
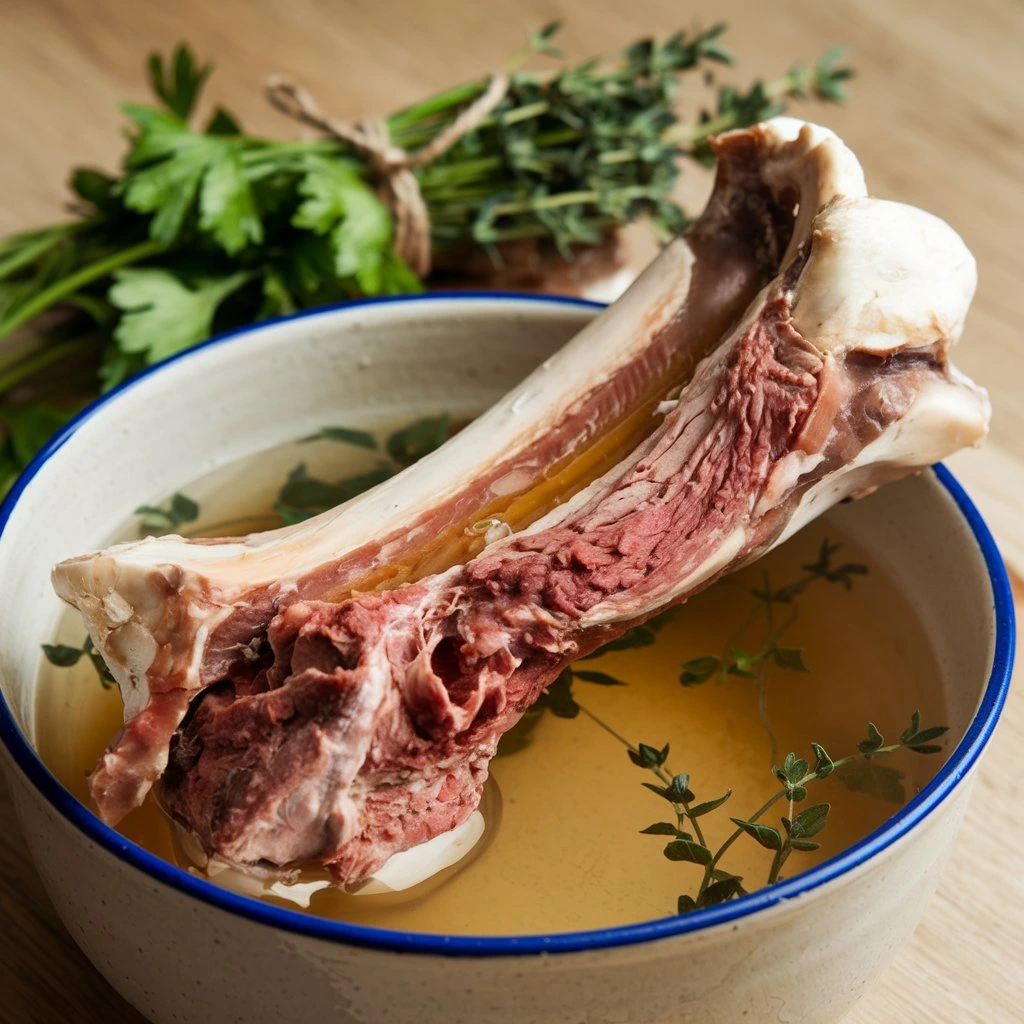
(568, 853)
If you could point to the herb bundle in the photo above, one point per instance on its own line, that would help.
(208, 228)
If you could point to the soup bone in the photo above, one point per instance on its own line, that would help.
(819, 322)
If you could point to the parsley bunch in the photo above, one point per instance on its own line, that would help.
(208, 228)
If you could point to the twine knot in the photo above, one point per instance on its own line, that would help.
(391, 165)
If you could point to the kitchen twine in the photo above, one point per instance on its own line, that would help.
(391, 164)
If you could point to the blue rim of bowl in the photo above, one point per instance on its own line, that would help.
(956, 767)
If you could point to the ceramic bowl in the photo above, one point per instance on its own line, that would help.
(182, 949)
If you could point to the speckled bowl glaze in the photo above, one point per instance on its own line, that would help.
(181, 949)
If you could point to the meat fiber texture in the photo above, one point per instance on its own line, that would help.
(792, 349)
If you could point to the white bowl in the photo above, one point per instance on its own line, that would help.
(182, 949)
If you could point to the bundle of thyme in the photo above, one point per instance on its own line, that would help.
(208, 228)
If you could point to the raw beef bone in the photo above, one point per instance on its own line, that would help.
(811, 326)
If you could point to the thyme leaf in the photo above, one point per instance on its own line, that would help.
(660, 828)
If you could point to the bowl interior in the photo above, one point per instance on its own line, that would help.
(240, 395)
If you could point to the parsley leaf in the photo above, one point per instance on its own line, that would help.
(162, 314)
(176, 167)
(302, 496)
(339, 203)
(228, 208)
(180, 92)
(168, 187)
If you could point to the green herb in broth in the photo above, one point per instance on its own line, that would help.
(419, 438)
(859, 771)
(303, 496)
(65, 656)
(180, 509)
(734, 660)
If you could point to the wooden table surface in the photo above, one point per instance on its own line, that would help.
(936, 120)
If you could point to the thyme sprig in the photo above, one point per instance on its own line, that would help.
(795, 830)
(737, 108)
(754, 663)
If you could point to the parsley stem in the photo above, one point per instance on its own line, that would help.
(458, 95)
(66, 286)
(30, 245)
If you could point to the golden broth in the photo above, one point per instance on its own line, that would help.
(567, 852)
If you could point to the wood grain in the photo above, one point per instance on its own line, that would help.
(936, 121)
